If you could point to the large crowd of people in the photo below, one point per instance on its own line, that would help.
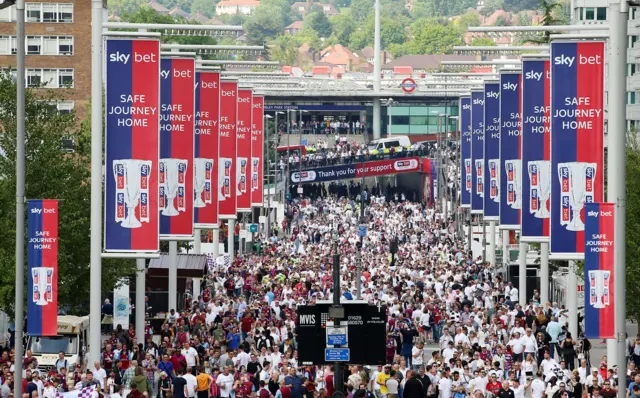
(455, 328)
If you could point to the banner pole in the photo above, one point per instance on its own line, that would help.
(231, 236)
(20, 188)
(173, 275)
(96, 182)
(616, 190)
(492, 243)
(572, 299)
(544, 273)
(140, 293)
(522, 273)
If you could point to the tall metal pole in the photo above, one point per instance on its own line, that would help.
(616, 190)
(173, 275)
(20, 188)
(275, 130)
(140, 292)
(300, 153)
(492, 243)
(337, 376)
(572, 299)
(544, 273)
(522, 274)
(96, 181)
(377, 70)
(286, 183)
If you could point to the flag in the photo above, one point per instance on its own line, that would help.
(85, 392)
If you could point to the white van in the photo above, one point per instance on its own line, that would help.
(72, 339)
(391, 142)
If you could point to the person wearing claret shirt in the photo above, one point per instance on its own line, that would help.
(107, 358)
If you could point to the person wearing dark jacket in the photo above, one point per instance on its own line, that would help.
(413, 387)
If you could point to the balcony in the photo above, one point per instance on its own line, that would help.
(633, 112)
(633, 82)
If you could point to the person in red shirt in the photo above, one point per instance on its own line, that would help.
(246, 323)
(285, 391)
(107, 358)
(494, 385)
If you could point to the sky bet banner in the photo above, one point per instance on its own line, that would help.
(42, 294)
(465, 151)
(492, 151)
(243, 151)
(599, 306)
(177, 90)
(132, 135)
(510, 165)
(257, 150)
(477, 151)
(577, 123)
(536, 149)
(366, 169)
(227, 149)
(205, 164)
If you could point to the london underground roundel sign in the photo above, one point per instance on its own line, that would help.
(408, 85)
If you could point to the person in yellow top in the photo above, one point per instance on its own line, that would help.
(204, 382)
(382, 380)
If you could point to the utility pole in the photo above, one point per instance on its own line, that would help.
(20, 199)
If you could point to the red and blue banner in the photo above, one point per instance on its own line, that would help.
(42, 260)
(205, 162)
(599, 249)
(243, 150)
(477, 151)
(491, 151)
(132, 145)
(177, 130)
(510, 163)
(257, 151)
(465, 151)
(577, 142)
(359, 170)
(429, 181)
(227, 149)
(536, 150)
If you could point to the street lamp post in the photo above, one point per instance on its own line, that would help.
(267, 156)
(300, 153)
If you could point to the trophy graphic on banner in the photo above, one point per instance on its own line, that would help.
(576, 188)
(42, 285)
(172, 184)
(467, 168)
(494, 180)
(241, 176)
(255, 163)
(599, 288)
(539, 187)
(480, 177)
(132, 188)
(513, 169)
(202, 174)
(224, 178)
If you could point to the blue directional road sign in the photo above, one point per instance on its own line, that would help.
(253, 228)
(362, 231)
(336, 354)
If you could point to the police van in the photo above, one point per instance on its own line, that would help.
(72, 340)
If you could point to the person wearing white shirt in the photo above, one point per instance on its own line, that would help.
(537, 387)
(444, 386)
(548, 363)
(242, 358)
(461, 337)
(99, 374)
(530, 344)
(225, 382)
(517, 388)
(594, 375)
(517, 347)
(192, 383)
(417, 356)
(191, 356)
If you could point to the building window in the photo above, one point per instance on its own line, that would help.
(49, 12)
(34, 45)
(589, 14)
(34, 77)
(601, 14)
(65, 78)
(65, 12)
(34, 12)
(65, 45)
(65, 107)
(5, 45)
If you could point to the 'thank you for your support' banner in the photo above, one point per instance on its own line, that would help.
(356, 170)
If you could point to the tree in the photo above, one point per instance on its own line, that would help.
(432, 37)
(206, 7)
(342, 26)
(492, 5)
(549, 9)
(268, 21)
(501, 21)
(50, 173)
(524, 19)
(119, 7)
(319, 23)
(285, 50)
(471, 18)
(360, 9)
(482, 42)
